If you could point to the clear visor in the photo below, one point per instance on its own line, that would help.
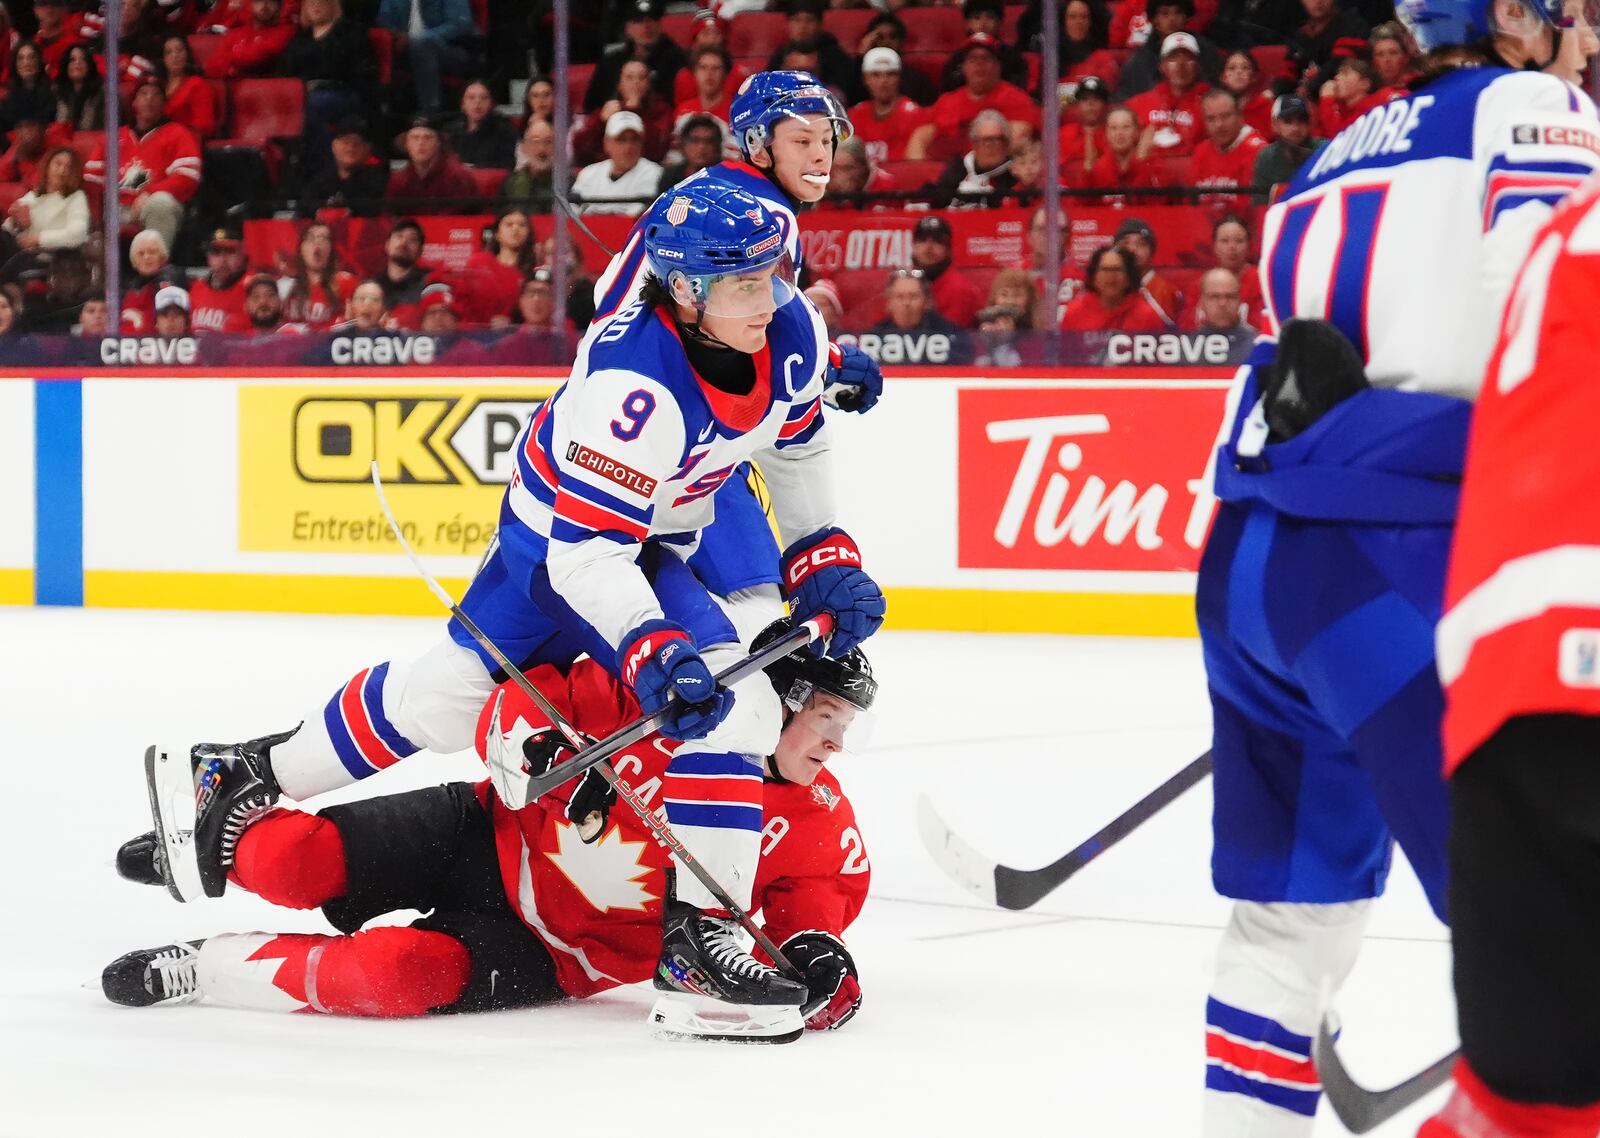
(736, 296)
(842, 724)
(812, 102)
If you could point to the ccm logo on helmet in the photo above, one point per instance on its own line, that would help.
(835, 552)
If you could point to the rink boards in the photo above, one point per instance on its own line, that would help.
(989, 501)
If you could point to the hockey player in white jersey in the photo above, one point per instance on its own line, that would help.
(615, 480)
(1385, 267)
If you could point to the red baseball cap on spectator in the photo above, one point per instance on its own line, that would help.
(440, 296)
(981, 40)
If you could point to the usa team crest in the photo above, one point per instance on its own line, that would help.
(678, 211)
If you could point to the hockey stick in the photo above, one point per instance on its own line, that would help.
(1360, 1109)
(592, 756)
(1011, 888)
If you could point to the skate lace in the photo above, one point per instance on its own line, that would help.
(177, 968)
(244, 813)
(723, 946)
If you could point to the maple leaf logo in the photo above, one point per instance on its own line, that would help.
(607, 872)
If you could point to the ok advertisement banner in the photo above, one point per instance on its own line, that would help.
(444, 452)
(1096, 478)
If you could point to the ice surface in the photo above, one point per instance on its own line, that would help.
(1080, 1017)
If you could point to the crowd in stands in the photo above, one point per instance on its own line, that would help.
(398, 110)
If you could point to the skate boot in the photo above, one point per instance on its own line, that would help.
(154, 976)
(715, 989)
(202, 805)
(139, 859)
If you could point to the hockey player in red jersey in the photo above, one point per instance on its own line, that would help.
(559, 899)
(1519, 656)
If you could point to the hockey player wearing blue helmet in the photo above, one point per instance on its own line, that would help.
(615, 482)
(1386, 264)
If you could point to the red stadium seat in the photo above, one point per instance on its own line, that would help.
(930, 63)
(219, 92)
(757, 33)
(10, 192)
(86, 142)
(934, 29)
(679, 27)
(848, 25)
(201, 47)
(1176, 169)
(1269, 58)
(488, 181)
(382, 41)
(913, 173)
(266, 109)
(577, 83)
(1008, 25)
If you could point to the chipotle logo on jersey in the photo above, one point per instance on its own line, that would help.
(611, 470)
(1085, 478)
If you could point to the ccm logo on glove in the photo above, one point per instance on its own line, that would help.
(837, 550)
(647, 646)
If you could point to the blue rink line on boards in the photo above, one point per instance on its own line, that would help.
(58, 491)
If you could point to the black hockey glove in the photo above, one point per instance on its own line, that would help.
(592, 796)
(833, 988)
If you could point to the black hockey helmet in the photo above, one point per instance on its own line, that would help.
(798, 674)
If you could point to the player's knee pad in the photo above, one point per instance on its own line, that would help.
(437, 696)
(291, 859)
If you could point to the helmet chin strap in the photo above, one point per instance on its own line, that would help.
(1555, 52)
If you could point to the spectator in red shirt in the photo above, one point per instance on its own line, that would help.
(218, 297)
(1084, 42)
(1136, 236)
(982, 89)
(190, 99)
(1226, 157)
(1143, 68)
(710, 30)
(1393, 59)
(431, 181)
(253, 49)
(57, 32)
(227, 15)
(854, 173)
(1113, 302)
(709, 69)
(494, 276)
(1123, 165)
(1241, 76)
(1170, 111)
(21, 162)
(365, 313)
(635, 94)
(148, 258)
(159, 165)
(80, 92)
(1068, 281)
(1083, 139)
(886, 119)
(1230, 244)
(316, 288)
(987, 18)
(931, 251)
(1347, 96)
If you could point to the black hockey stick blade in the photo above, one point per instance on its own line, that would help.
(1010, 888)
(1360, 1109)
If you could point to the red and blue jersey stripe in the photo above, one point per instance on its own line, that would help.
(363, 738)
(714, 790)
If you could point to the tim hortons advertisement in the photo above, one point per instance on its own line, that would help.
(445, 452)
(1093, 478)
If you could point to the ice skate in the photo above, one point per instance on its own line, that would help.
(201, 804)
(714, 989)
(139, 859)
(151, 977)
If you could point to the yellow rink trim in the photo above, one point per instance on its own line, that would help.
(1075, 614)
(945, 610)
(16, 586)
(263, 592)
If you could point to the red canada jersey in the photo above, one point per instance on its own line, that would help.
(1178, 121)
(320, 305)
(597, 908)
(885, 138)
(954, 111)
(213, 309)
(1134, 314)
(1073, 143)
(1521, 629)
(165, 159)
(1230, 168)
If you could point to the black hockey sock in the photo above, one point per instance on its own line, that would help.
(1525, 909)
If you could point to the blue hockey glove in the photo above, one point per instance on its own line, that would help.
(822, 573)
(659, 662)
(854, 381)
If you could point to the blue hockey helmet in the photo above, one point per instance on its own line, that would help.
(1441, 23)
(768, 97)
(706, 229)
